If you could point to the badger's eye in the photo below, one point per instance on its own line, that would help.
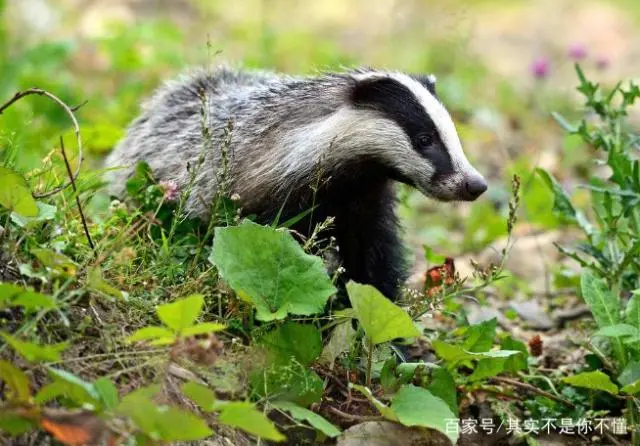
(425, 140)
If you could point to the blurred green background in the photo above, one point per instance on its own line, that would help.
(502, 65)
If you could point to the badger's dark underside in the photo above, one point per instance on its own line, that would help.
(366, 228)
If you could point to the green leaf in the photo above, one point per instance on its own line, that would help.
(139, 181)
(632, 312)
(15, 194)
(487, 368)
(107, 392)
(562, 205)
(291, 340)
(340, 341)
(604, 305)
(479, 337)
(182, 313)
(204, 328)
(161, 422)
(455, 353)
(57, 262)
(381, 320)
(13, 424)
(596, 380)
(246, 417)
(160, 335)
(31, 301)
(201, 395)
(302, 414)
(563, 122)
(292, 382)
(631, 389)
(515, 363)
(270, 269)
(443, 386)
(96, 282)
(384, 410)
(415, 406)
(618, 330)
(16, 382)
(35, 352)
(46, 212)
(8, 291)
(79, 390)
(630, 374)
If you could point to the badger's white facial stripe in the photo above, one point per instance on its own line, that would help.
(438, 114)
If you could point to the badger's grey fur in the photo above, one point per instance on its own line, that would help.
(358, 130)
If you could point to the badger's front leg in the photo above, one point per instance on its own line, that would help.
(370, 247)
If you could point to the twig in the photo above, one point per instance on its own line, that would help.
(534, 389)
(75, 192)
(76, 129)
(351, 417)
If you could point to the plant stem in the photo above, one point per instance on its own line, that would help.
(369, 362)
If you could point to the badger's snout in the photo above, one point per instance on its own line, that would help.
(472, 187)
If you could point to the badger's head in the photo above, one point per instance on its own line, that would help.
(413, 134)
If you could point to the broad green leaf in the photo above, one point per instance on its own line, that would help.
(479, 337)
(159, 335)
(388, 379)
(107, 392)
(204, 328)
(75, 382)
(201, 395)
(604, 305)
(443, 386)
(631, 389)
(182, 313)
(161, 422)
(31, 300)
(562, 205)
(618, 330)
(487, 368)
(596, 380)
(15, 194)
(291, 340)
(515, 363)
(8, 291)
(14, 424)
(246, 417)
(455, 353)
(415, 406)
(632, 312)
(57, 262)
(292, 382)
(45, 212)
(96, 282)
(340, 341)
(380, 318)
(630, 374)
(15, 381)
(270, 269)
(35, 352)
(384, 410)
(302, 414)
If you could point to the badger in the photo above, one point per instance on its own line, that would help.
(359, 131)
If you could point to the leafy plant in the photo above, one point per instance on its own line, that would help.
(610, 249)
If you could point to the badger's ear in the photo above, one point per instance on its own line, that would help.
(428, 80)
(376, 91)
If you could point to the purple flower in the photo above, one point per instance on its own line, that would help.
(602, 63)
(540, 68)
(577, 51)
(171, 191)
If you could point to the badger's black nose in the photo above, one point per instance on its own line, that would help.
(474, 187)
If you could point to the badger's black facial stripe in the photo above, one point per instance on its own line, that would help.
(396, 102)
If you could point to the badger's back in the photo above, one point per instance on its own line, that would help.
(261, 108)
